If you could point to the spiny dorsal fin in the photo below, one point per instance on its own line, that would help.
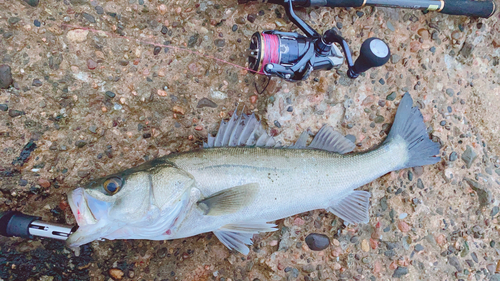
(240, 130)
(353, 208)
(330, 140)
(229, 200)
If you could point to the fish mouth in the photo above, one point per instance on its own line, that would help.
(87, 209)
(91, 216)
(81, 210)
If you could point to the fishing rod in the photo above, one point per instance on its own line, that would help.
(292, 56)
(17, 224)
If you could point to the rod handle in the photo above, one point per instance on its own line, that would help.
(482, 9)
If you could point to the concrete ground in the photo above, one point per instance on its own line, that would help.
(88, 103)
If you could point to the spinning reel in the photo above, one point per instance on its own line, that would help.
(293, 57)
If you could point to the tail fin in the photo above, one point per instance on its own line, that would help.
(409, 125)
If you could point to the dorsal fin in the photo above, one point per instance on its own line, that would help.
(246, 130)
(301, 143)
(241, 130)
(333, 141)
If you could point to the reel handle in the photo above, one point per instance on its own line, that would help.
(374, 53)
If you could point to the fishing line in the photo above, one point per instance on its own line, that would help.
(270, 47)
(163, 46)
(265, 87)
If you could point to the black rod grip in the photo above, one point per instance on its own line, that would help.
(342, 3)
(483, 9)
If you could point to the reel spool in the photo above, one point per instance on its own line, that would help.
(275, 48)
(290, 55)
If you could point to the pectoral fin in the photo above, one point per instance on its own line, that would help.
(353, 208)
(229, 200)
(237, 236)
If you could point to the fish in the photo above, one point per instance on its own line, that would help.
(242, 181)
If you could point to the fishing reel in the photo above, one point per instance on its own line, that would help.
(292, 56)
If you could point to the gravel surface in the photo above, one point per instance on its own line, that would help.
(77, 104)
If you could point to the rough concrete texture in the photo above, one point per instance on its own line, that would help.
(85, 104)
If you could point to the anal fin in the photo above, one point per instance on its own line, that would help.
(353, 208)
(237, 236)
(229, 200)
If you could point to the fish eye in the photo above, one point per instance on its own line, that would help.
(112, 185)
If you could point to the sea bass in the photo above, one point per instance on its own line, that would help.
(241, 182)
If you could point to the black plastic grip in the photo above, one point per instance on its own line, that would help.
(483, 9)
(4, 221)
(17, 224)
(342, 3)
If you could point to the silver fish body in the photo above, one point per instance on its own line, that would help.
(290, 181)
(236, 191)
